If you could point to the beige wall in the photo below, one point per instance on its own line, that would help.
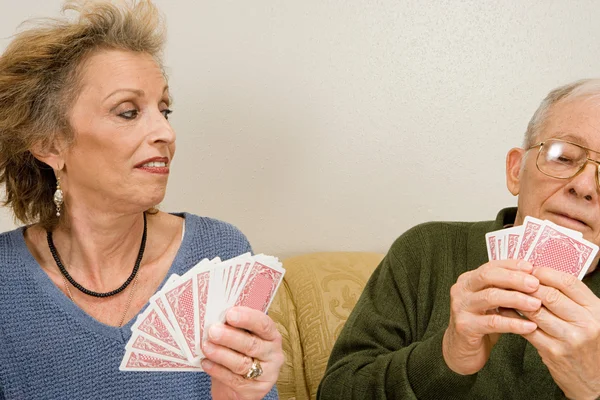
(337, 125)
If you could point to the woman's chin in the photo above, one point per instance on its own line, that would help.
(150, 200)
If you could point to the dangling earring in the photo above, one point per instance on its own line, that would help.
(58, 197)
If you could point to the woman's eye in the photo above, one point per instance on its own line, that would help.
(166, 113)
(129, 114)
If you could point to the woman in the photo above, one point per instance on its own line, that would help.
(85, 153)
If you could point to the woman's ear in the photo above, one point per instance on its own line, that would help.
(51, 155)
(514, 162)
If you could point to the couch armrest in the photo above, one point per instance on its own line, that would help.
(316, 297)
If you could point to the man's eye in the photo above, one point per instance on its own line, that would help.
(565, 160)
(129, 114)
(166, 113)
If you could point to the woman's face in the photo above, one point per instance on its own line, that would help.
(124, 144)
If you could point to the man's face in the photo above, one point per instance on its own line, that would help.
(573, 203)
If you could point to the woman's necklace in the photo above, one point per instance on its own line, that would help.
(72, 281)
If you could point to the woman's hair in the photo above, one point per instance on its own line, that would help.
(40, 77)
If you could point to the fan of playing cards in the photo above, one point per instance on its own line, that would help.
(167, 335)
(543, 244)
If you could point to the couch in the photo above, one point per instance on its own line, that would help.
(317, 294)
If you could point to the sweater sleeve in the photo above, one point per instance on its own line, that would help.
(272, 395)
(379, 354)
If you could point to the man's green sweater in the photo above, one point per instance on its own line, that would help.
(391, 345)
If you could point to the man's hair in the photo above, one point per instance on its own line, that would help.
(585, 88)
(40, 78)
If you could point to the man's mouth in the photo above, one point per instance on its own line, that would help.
(570, 219)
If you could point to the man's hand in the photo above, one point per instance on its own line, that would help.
(568, 334)
(475, 324)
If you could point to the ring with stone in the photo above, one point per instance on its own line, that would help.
(255, 370)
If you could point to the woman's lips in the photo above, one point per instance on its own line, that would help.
(155, 170)
(155, 165)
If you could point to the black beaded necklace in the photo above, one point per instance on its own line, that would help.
(87, 291)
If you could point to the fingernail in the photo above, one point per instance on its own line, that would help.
(233, 316)
(207, 364)
(208, 348)
(215, 332)
(532, 281)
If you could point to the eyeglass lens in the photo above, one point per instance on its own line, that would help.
(561, 159)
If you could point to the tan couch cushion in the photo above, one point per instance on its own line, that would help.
(317, 294)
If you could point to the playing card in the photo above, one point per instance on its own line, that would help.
(216, 302)
(511, 241)
(151, 323)
(492, 247)
(142, 342)
(531, 226)
(168, 334)
(236, 269)
(559, 250)
(140, 361)
(179, 303)
(244, 274)
(260, 288)
(500, 246)
(571, 232)
(202, 282)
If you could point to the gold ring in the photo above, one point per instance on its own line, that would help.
(255, 370)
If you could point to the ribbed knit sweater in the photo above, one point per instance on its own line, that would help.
(51, 349)
(391, 345)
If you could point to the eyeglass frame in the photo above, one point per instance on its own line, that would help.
(587, 159)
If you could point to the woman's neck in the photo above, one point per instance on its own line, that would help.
(100, 249)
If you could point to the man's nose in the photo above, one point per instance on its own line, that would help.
(585, 184)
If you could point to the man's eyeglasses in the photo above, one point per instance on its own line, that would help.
(563, 159)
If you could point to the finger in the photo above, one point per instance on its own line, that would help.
(496, 323)
(493, 297)
(247, 387)
(232, 360)
(512, 275)
(559, 304)
(241, 341)
(255, 321)
(568, 284)
(544, 343)
(549, 323)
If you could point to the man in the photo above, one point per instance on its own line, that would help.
(438, 321)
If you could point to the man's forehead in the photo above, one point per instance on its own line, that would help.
(576, 120)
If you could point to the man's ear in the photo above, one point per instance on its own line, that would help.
(51, 155)
(514, 160)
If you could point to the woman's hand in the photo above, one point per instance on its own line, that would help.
(231, 349)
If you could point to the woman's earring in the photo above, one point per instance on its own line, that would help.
(58, 197)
